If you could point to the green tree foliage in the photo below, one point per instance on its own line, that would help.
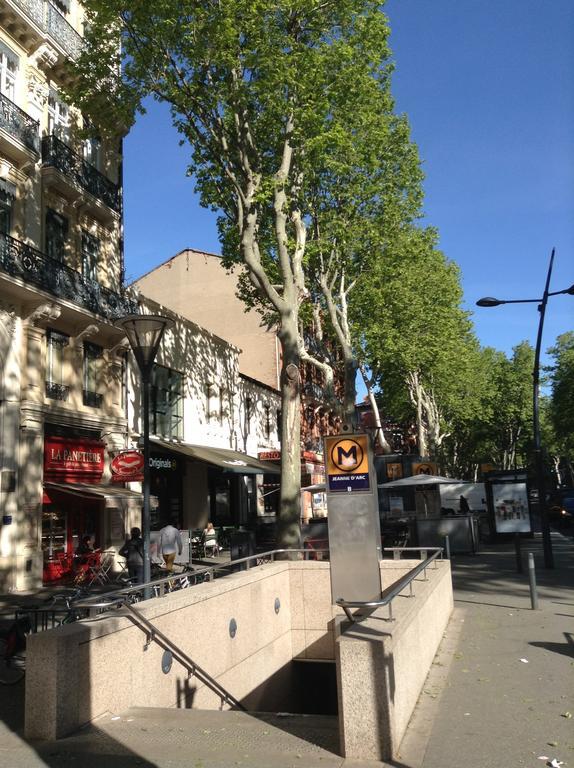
(415, 336)
(283, 102)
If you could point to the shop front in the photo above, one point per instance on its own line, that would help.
(77, 506)
(313, 498)
(196, 483)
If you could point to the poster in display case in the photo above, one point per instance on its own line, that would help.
(511, 510)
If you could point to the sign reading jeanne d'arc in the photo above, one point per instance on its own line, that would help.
(347, 463)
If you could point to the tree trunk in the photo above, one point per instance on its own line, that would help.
(288, 533)
(379, 435)
(416, 395)
(350, 395)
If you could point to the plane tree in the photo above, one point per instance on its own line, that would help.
(416, 339)
(261, 90)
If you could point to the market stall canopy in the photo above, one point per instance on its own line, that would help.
(230, 461)
(419, 480)
(86, 490)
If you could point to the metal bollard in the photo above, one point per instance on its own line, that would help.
(447, 547)
(532, 580)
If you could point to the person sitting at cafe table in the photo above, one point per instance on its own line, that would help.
(210, 540)
(85, 547)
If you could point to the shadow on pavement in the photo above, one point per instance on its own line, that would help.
(567, 648)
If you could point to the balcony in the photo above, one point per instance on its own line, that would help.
(62, 32)
(57, 391)
(93, 399)
(19, 125)
(48, 19)
(35, 268)
(56, 154)
(313, 393)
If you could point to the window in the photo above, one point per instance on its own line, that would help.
(92, 353)
(267, 425)
(123, 383)
(166, 402)
(90, 256)
(58, 117)
(6, 200)
(8, 72)
(92, 149)
(56, 235)
(63, 6)
(56, 344)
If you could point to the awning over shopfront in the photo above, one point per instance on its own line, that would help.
(230, 461)
(85, 490)
(418, 480)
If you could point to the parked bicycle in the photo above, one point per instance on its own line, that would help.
(13, 651)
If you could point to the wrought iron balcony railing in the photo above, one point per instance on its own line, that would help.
(49, 19)
(313, 392)
(63, 32)
(26, 263)
(59, 155)
(93, 399)
(19, 124)
(57, 391)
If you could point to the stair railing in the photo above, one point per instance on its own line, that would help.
(154, 635)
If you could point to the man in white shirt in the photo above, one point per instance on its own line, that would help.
(169, 544)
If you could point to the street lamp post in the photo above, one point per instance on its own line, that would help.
(488, 301)
(144, 334)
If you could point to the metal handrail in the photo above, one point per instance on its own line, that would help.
(396, 589)
(155, 635)
(158, 586)
(164, 585)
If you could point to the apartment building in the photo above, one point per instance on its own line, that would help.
(208, 423)
(62, 381)
(194, 284)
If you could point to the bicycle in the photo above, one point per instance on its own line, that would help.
(13, 651)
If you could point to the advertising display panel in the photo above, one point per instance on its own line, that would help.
(511, 512)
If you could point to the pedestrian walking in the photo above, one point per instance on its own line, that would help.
(133, 551)
(169, 545)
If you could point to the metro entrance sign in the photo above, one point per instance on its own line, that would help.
(353, 515)
(347, 463)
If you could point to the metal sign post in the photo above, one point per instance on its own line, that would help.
(353, 517)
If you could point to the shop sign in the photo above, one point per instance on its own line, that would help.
(347, 463)
(425, 468)
(69, 459)
(269, 456)
(394, 471)
(312, 456)
(162, 463)
(127, 467)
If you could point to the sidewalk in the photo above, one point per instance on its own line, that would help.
(497, 694)
(502, 685)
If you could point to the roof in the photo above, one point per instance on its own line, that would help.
(230, 461)
(94, 491)
(420, 480)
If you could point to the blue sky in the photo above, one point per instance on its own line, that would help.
(488, 87)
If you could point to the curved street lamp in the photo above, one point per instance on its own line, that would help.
(489, 301)
(144, 334)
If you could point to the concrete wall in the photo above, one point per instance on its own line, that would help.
(382, 666)
(79, 672)
(195, 285)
